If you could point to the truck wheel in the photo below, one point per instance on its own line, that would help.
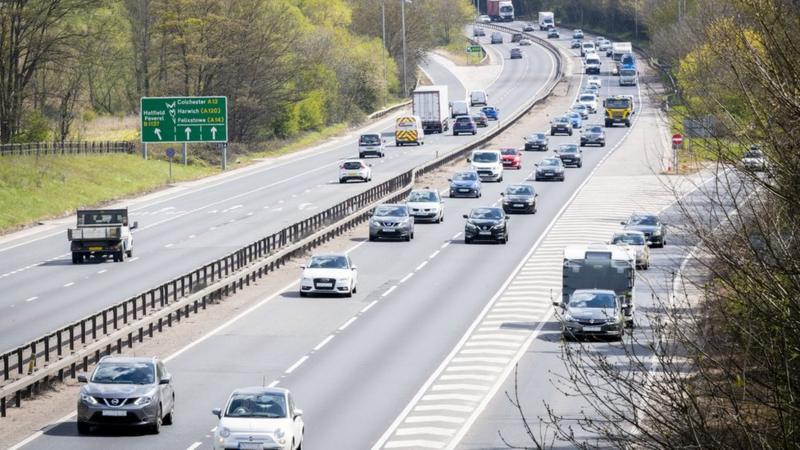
(628, 123)
(76, 258)
(121, 256)
(129, 253)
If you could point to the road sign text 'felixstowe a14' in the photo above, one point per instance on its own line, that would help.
(184, 119)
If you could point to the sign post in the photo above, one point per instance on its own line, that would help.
(473, 50)
(170, 155)
(677, 142)
(184, 120)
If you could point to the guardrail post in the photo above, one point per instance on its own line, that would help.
(2, 406)
(58, 343)
(47, 349)
(105, 322)
(5, 367)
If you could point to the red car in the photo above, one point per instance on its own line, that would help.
(512, 158)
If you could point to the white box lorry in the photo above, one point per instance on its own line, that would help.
(546, 20)
(431, 105)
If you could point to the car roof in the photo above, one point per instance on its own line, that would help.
(394, 205)
(324, 255)
(627, 233)
(128, 359)
(260, 390)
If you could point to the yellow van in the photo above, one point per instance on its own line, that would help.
(408, 130)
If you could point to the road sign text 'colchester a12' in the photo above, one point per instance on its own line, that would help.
(184, 119)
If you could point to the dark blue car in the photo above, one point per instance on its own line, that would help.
(491, 112)
(464, 124)
(465, 184)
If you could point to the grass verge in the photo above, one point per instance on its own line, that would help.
(34, 188)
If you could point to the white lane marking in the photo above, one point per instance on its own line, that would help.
(435, 431)
(212, 228)
(416, 443)
(194, 446)
(368, 307)
(323, 343)
(405, 278)
(443, 407)
(169, 245)
(389, 291)
(423, 419)
(31, 299)
(133, 259)
(102, 271)
(445, 244)
(433, 255)
(455, 236)
(303, 206)
(69, 284)
(459, 387)
(419, 267)
(297, 364)
(192, 236)
(347, 324)
(272, 385)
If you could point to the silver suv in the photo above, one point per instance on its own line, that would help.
(126, 391)
(391, 221)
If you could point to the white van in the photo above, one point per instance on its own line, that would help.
(587, 47)
(488, 164)
(459, 108)
(408, 130)
(371, 144)
(478, 98)
(593, 64)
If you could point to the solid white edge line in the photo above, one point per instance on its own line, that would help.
(294, 366)
(194, 446)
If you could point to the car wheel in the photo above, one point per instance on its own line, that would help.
(603, 144)
(474, 133)
(355, 289)
(371, 238)
(561, 179)
(360, 156)
(467, 240)
(349, 294)
(408, 238)
(441, 219)
(570, 133)
(303, 294)
(341, 180)
(583, 145)
(397, 144)
(155, 428)
(580, 164)
(84, 428)
(500, 180)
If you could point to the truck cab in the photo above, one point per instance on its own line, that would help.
(101, 233)
(618, 109)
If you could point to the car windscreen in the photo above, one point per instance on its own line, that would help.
(643, 220)
(484, 157)
(550, 162)
(519, 190)
(753, 154)
(633, 239)
(328, 262)
(627, 72)
(509, 151)
(465, 176)
(423, 196)
(592, 61)
(592, 300)
(391, 211)
(124, 373)
(102, 218)
(561, 120)
(486, 213)
(370, 139)
(537, 137)
(587, 98)
(354, 165)
(568, 148)
(264, 405)
(618, 103)
(595, 129)
(463, 120)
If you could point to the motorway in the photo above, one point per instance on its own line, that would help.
(203, 222)
(358, 366)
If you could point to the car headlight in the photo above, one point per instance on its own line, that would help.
(86, 398)
(568, 317)
(305, 280)
(143, 401)
(471, 226)
(657, 232)
(499, 226)
(342, 281)
(279, 433)
(224, 432)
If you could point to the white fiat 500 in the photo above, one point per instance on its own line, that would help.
(259, 418)
(332, 273)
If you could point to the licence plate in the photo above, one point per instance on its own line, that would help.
(388, 230)
(484, 232)
(592, 328)
(463, 190)
(114, 413)
(518, 205)
(325, 285)
(352, 174)
(548, 173)
(251, 446)
(95, 249)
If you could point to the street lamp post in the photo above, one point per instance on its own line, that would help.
(383, 29)
(403, 20)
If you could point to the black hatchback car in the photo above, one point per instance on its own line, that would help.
(654, 230)
(570, 154)
(519, 198)
(537, 141)
(486, 224)
(593, 135)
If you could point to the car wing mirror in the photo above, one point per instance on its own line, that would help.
(450, 179)
(82, 378)
(622, 223)
(465, 216)
(298, 413)
(649, 243)
(354, 267)
(135, 225)
(303, 266)
(166, 379)
(217, 412)
(558, 305)
(469, 160)
(502, 194)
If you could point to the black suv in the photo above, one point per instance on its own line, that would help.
(593, 135)
(486, 224)
(537, 141)
(654, 230)
(570, 154)
(519, 198)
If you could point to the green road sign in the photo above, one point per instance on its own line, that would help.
(184, 119)
(474, 49)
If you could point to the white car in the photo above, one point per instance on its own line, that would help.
(595, 80)
(354, 169)
(637, 245)
(525, 41)
(754, 159)
(426, 204)
(330, 273)
(484, 19)
(259, 418)
(590, 100)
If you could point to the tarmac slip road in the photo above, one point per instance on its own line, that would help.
(44, 291)
(354, 364)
